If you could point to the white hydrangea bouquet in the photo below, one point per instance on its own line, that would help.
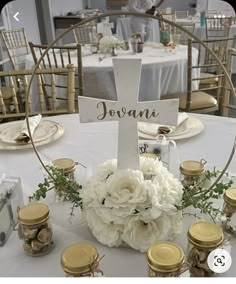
(136, 207)
(108, 43)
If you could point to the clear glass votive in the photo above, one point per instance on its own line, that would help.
(175, 39)
(134, 45)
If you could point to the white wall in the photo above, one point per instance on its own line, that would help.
(62, 7)
(178, 5)
(27, 18)
(98, 4)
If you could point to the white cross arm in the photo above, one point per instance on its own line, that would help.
(95, 110)
(162, 112)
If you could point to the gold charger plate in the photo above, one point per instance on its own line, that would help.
(46, 132)
(189, 128)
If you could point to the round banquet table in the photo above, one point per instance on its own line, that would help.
(163, 73)
(92, 144)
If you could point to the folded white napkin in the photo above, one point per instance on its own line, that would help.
(156, 129)
(24, 134)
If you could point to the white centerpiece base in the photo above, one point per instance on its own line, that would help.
(136, 207)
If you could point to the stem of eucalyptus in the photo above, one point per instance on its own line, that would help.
(224, 169)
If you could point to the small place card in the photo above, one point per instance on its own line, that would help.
(11, 198)
(161, 148)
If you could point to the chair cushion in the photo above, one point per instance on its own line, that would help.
(211, 81)
(6, 93)
(200, 100)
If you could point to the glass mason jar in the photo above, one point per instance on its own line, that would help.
(165, 259)
(81, 260)
(229, 210)
(35, 229)
(204, 237)
(67, 166)
(134, 45)
(192, 172)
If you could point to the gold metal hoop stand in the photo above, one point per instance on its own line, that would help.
(140, 15)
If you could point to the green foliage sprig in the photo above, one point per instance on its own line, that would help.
(196, 195)
(201, 198)
(66, 189)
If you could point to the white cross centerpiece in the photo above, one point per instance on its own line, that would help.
(128, 111)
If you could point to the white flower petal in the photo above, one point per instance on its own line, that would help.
(107, 234)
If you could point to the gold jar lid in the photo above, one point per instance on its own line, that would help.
(205, 235)
(79, 258)
(66, 165)
(33, 214)
(230, 196)
(165, 257)
(192, 168)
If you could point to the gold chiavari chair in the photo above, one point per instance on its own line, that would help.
(59, 57)
(17, 46)
(86, 34)
(183, 36)
(212, 13)
(165, 27)
(228, 100)
(14, 111)
(181, 14)
(220, 47)
(205, 98)
(218, 27)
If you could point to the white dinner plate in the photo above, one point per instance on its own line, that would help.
(46, 132)
(43, 131)
(189, 128)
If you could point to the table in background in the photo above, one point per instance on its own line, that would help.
(92, 144)
(163, 73)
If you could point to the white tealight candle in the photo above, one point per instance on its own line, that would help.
(215, 16)
(223, 16)
(219, 16)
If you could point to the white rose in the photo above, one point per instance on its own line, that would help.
(122, 205)
(171, 189)
(126, 188)
(93, 194)
(105, 170)
(150, 166)
(107, 234)
(117, 216)
(176, 224)
(106, 43)
(141, 235)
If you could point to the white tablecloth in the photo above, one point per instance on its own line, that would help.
(163, 73)
(92, 144)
